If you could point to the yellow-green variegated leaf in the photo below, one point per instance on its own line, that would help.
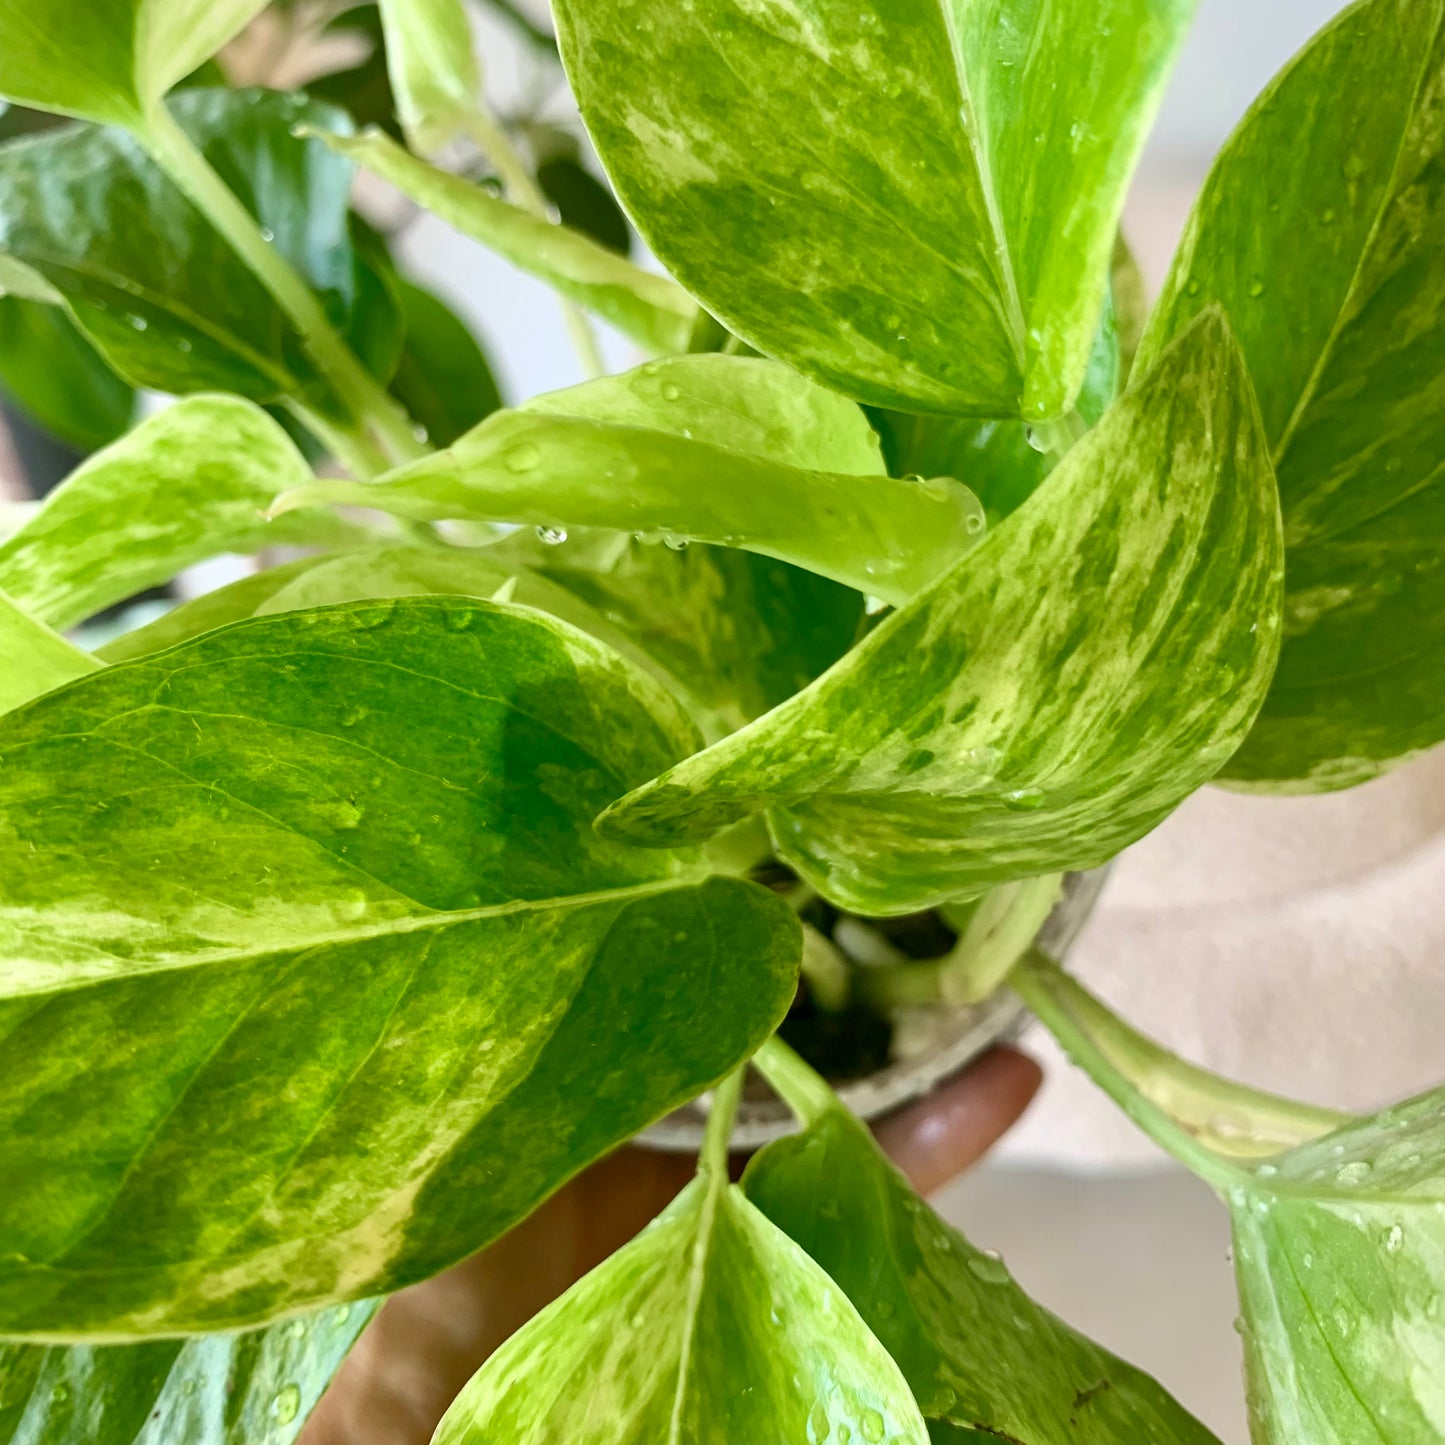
(977, 1352)
(188, 484)
(1339, 1253)
(713, 1328)
(731, 633)
(110, 60)
(434, 72)
(33, 658)
(1097, 658)
(649, 308)
(913, 200)
(1322, 232)
(314, 904)
(252, 1388)
(730, 450)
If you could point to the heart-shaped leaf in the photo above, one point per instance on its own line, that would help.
(648, 308)
(161, 293)
(711, 1327)
(1339, 1251)
(114, 61)
(188, 484)
(57, 378)
(976, 1351)
(914, 201)
(36, 660)
(990, 731)
(1322, 232)
(279, 896)
(722, 449)
(214, 1390)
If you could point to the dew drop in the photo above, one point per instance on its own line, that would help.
(1349, 1175)
(1024, 800)
(819, 1425)
(1256, 288)
(973, 524)
(188, 1387)
(420, 433)
(1035, 440)
(670, 392)
(267, 234)
(872, 1426)
(1395, 1239)
(60, 1394)
(675, 543)
(1193, 288)
(343, 1313)
(551, 536)
(523, 458)
(874, 605)
(989, 1267)
(138, 322)
(287, 1404)
(354, 715)
(184, 346)
(296, 1329)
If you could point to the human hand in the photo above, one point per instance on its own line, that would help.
(430, 1339)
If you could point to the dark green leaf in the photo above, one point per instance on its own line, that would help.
(976, 1351)
(112, 61)
(186, 485)
(991, 731)
(240, 1389)
(648, 308)
(54, 374)
(584, 203)
(1322, 231)
(999, 461)
(36, 659)
(443, 378)
(712, 1327)
(710, 448)
(914, 201)
(160, 293)
(1339, 1251)
(279, 897)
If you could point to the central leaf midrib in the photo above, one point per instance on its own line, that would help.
(385, 928)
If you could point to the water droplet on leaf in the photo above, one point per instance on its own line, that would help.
(523, 458)
(287, 1404)
(551, 536)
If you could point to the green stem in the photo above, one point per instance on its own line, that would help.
(523, 190)
(1206, 1121)
(713, 1157)
(826, 971)
(357, 451)
(176, 154)
(802, 1089)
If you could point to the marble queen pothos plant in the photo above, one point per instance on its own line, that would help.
(349, 910)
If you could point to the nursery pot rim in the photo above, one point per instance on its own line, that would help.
(1000, 1018)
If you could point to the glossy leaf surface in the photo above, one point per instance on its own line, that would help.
(434, 74)
(1000, 461)
(33, 658)
(154, 287)
(648, 308)
(188, 484)
(443, 377)
(989, 732)
(977, 1352)
(254, 1388)
(1339, 1251)
(58, 379)
(732, 633)
(279, 896)
(1322, 231)
(712, 1327)
(722, 449)
(111, 61)
(914, 201)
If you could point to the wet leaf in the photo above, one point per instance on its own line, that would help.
(1322, 232)
(434, 74)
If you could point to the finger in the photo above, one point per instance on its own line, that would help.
(956, 1125)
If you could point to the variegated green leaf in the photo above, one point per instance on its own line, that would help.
(188, 484)
(731, 633)
(158, 290)
(255, 1388)
(992, 731)
(434, 74)
(1339, 1252)
(648, 308)
(279, 897)
(723, 449)
(1322, 231)
(712, 1327)
(977, 1352)
(33, 659)
(914, 201)
(110, 61)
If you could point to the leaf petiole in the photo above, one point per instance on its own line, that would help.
(179, 157)
(801, 1088)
